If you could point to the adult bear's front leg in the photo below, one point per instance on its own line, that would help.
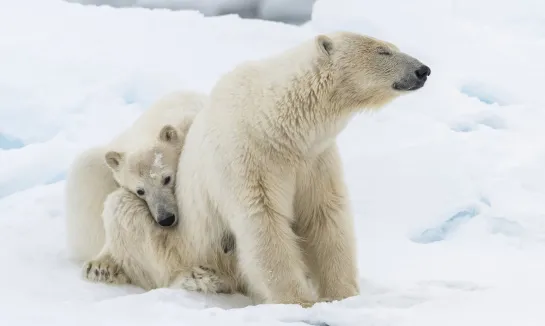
(325, 225)
(269, 255)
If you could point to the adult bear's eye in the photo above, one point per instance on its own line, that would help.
(166, 180)
(383, 51)
(140, 192)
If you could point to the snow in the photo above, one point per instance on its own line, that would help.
(447, 184)
(290, 11)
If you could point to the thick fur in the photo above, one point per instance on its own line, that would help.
(140, 252)
(127, 161)
(261, 161)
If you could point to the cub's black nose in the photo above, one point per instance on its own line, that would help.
(168, 220)
(423, 72)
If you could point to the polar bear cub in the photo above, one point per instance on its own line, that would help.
(141, 159)
(140, 252)
(134, 224)
(120, 197)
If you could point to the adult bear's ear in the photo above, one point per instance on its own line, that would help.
(113, 159)
(168, 134)
(324, 44)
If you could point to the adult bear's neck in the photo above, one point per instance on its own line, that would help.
(302, 118)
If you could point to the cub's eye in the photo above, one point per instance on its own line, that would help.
(140, 192)
(166, 180)
(383, 51)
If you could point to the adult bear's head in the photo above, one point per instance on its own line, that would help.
(367, 72)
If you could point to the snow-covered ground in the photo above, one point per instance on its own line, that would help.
(447, 184)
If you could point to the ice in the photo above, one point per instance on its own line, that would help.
(291, 11)
(7, 142)
(286, 10)
(447, 184)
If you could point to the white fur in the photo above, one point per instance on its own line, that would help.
(262, 162)
(158, 164)
(90, 179)
(139, 252)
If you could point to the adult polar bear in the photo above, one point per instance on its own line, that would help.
(262, 161)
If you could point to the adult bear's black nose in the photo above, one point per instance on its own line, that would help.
(423, 72)
(167, 220)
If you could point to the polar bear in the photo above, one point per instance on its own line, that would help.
(142, 253)
(142, 159)
(262, 162)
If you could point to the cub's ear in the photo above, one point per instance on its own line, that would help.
(168, 134)
(113, 159)
(324, 44)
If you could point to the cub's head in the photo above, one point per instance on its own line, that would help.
(150, 174)
(367, 72)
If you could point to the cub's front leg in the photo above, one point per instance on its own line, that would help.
(120, 207)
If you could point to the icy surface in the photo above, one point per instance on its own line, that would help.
(447, 184)
(289, 11)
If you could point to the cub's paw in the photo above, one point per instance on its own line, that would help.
(104, 271)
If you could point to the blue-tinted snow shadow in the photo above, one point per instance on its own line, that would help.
(130, 96)
(8, 142)
(59, 177)
(21, 184)
(440, 232)
(482, 93)
(491, 121)
(506, 227)
(449, 226)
